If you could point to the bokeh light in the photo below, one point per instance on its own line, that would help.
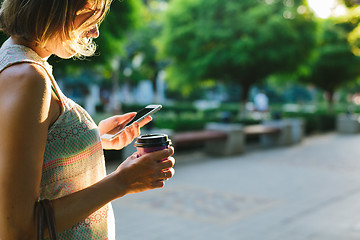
(325, 9)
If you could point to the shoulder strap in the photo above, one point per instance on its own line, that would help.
(46, 218)
(14, 54)
(54, 90)
(54, 85)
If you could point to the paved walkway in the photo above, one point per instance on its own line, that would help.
(310, 191)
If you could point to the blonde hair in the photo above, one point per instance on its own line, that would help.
(40, 20)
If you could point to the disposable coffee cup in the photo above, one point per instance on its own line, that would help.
(152, 142)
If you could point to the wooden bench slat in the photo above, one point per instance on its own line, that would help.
(260, 129)
(197, 136)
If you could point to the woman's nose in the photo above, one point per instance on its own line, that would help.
(93, 32)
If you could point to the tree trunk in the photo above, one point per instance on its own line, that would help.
(154, 87)
(330, 102)
(153, 79)
(115, 102)
(243, 114)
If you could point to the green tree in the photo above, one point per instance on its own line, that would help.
(351, 3)
(237, 41)
(334, 64)
(123, 17)
(141, 47)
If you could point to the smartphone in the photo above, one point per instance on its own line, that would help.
(140, 115)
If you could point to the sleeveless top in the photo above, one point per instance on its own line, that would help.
(73, 158)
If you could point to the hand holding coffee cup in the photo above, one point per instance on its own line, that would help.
(151, 143)
(140, 173)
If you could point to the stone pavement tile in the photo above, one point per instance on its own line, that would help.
(307, 191)
(200, 204)
(328, 221)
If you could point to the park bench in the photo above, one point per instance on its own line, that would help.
(185, 138)
(221, 139)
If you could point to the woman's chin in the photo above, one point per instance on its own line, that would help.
(66, 55)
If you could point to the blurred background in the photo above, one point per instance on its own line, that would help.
(229, 61)
(207, 60)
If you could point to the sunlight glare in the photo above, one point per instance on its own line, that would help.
(325, 9)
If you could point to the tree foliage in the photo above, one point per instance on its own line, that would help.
(141, 44)
(334, 64)
(351, 3)
(123, 16)
(237, 41)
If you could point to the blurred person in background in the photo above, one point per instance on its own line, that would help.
(50, 148)
(261, 102)
(261, 105)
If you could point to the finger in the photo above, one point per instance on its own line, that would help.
(164, 154)
(171, 149)
(165, 175)
(117, 121)
(145, 121)
(135, 129)
(126, 118)
(167, 163)
(126, 115)
(158, 184)
(159, 155)
(128, 135)
(169, 174)
(121, 119)
(123, 137)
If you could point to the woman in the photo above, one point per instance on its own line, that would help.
(49, 146)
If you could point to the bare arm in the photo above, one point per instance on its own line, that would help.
(132, 176)
(25, 116)
(24, 107)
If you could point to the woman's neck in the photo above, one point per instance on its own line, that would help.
(42, 52)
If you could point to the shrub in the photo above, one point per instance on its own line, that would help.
(315, 122)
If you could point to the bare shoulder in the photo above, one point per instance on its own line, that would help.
(23, 74)
(24, 87)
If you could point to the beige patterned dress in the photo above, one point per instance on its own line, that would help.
(73, 158)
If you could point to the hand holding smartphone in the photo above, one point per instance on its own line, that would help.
(140, 115)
